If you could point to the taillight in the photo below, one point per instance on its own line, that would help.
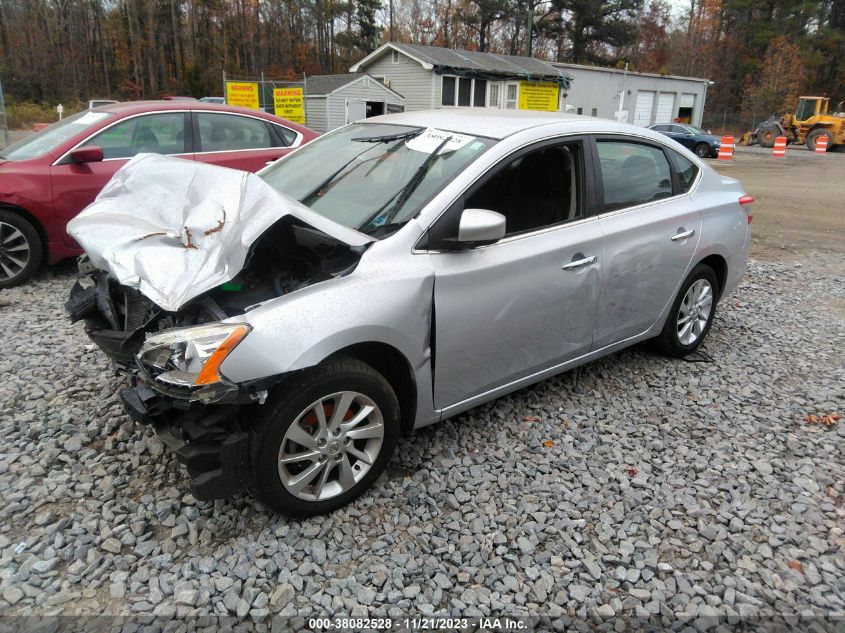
(745, 201)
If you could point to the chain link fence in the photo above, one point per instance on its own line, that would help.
(732, 122)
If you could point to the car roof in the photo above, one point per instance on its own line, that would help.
(137, 107)
(128, 108)
(499, 124)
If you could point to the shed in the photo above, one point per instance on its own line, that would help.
(434, 77)
(646, 97)
(335, 100)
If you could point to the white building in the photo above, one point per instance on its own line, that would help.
(648, 98)
(432, 77)
(335, 100)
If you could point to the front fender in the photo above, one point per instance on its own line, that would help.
(387, 302)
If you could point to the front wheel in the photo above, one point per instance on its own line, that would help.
(20, 249)
(702, 150)
(323, 438)
(814, 136)
(691, 315)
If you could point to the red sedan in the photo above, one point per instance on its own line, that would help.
(50, 176)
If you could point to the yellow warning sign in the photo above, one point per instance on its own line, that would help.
(289, 103)
(243, 94)
(538, 96)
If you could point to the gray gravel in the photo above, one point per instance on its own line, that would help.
(635, 486)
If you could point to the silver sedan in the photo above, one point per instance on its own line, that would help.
(417, 265)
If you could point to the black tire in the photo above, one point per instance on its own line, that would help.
(669, 342)
(814, 135)
(702, 150)
(17, 232)
(766, 136)
(292, 399)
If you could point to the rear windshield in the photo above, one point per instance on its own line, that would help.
(39, 143)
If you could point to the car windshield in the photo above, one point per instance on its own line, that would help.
(373, 177)
(40, 143)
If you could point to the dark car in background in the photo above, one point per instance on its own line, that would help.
(50, 176)
(704, 144)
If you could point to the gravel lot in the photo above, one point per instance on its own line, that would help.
(634, 486)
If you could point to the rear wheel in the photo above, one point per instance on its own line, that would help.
(814, 136)
(20, 249)
(702, 150)
(691, 315)
(323, 438)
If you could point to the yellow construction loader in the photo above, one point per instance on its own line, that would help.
(810, 122)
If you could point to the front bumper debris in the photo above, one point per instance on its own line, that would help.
(208, 440)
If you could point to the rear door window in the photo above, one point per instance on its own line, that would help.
(231, 132)
(684, 168)
(633, 173)
(287, 135)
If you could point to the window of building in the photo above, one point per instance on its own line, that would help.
(537, 189)
(595, 112)
(511, 96)
(463, 91)
(395, 57)
(580, 110)
(633, 173)
(494, 95)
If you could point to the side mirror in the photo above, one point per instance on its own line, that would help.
(88, 154)
(481, 226)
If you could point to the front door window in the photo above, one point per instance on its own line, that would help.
(154, 133)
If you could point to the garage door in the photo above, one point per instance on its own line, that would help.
(665, 107)
(642, 109)
(355, 110)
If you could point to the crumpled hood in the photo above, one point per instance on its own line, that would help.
(176, 228)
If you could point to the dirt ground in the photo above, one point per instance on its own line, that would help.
(799, 215)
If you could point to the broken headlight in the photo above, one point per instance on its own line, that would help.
(191, 357)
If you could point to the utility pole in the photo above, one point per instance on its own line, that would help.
(529, 31)
(390, 18)
(3, 114)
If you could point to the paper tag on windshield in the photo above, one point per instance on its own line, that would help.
(91, 117)
(429, 140)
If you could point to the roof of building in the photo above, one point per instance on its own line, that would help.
(474, 63)
(321, 85)
(621, 70)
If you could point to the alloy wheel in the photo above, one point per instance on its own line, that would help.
(331, 446)
(14, 251)
(694, 312)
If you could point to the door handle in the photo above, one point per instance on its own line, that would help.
(580, 263)
(682, 235)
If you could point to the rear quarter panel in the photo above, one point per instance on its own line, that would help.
(724, 224)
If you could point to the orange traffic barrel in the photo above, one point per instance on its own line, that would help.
(779, 150)
(821, 144)
(726, 148)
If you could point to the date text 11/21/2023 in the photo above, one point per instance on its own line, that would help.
(420, 623)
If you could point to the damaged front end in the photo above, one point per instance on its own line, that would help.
(171, 344)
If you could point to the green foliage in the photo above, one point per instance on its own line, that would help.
(24, 115)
